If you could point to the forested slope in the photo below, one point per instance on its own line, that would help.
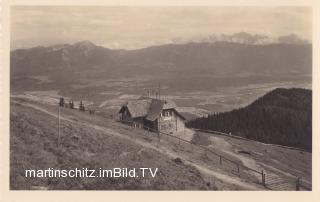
(282, 116)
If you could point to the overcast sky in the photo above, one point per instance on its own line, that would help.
(138, 27)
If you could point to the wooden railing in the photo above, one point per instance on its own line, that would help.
(243, 138)
(264, 181)
(221, 157)
(281, 184)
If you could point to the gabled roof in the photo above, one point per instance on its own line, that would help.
(155, 109)
(180, 115)
(148, 108)
(138, 108)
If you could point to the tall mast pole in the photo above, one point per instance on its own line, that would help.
(159, 91)
(151, 91)
(58, 126)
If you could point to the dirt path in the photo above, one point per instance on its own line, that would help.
(225, 178)
(276, 178)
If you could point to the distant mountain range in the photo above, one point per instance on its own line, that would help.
(282, 116)
(218, 58)
(190, 66)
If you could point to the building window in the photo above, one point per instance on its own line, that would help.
(169, 113)
(165, 113)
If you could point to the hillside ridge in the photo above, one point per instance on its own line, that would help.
(282, 116)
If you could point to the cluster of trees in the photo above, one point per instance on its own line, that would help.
(282, 116)
(62, 103)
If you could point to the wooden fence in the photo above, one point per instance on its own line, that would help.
(246, 139)
(236, 167)
(271, 182)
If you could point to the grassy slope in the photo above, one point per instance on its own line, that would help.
(34, 146)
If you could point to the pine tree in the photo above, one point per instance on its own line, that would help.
(61, 102)
(71, 104)
(81, 106)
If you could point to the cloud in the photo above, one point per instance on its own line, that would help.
(137, 27)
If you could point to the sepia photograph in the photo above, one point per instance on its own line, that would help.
(168, 98)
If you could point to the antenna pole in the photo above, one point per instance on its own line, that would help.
(58, 126)
(159, 91)
(151, 91)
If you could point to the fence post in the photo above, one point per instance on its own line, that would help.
(58, 127)
(263, 178)
(298, 184)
